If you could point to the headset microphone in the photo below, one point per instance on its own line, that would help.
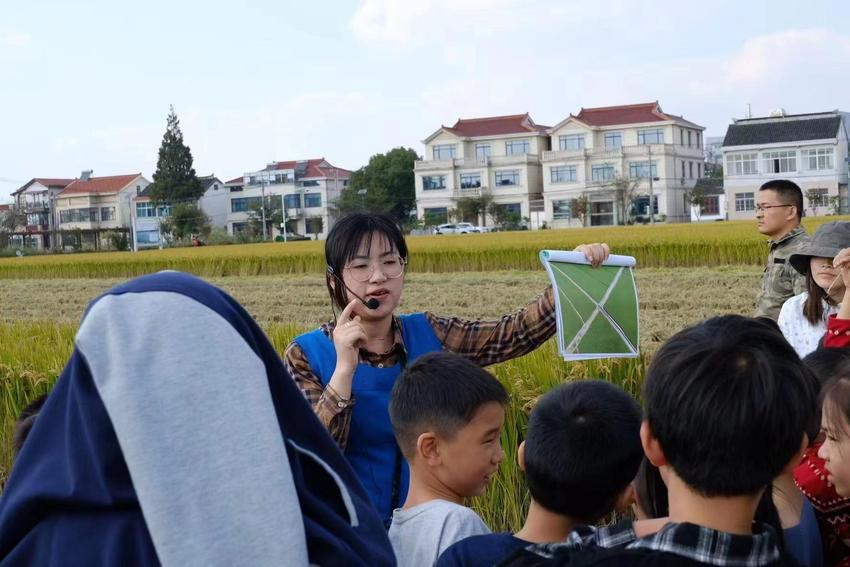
(371, 304)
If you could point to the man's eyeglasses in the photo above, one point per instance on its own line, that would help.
(763, 208)
(362, 271)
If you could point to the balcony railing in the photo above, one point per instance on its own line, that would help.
(461, 192)
(443, 164)
(34, 206)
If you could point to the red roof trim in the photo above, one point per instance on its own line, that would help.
(101, 185)
(495, 126)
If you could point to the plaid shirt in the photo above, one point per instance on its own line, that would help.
(693, 542)
(483, 342)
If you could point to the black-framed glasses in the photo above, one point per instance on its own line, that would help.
(362, 270)
(763, 208)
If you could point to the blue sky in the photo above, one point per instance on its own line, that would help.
(87, 85)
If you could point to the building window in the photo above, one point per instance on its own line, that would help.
(571, 142)
(436, 215)
(470, 180)
(602, 213)
(699, 169)
(613, 140)
(642, 170)
(310, 183)
(780, 162)
(252, 180)
(655, 136)
(602, 172)
(163, 210)
(445, 151)
(292, 201)
(281, 178)
(433, 182)
(690, 142)
(681, 136)
(563, 174)
(517, 147)
(507, 177)
(561, 210)
(691, 169)
(145, 210)
(312, 200)
(511, 209)
(79, 215)
(818, 197)
(742, 164)
(244, 204)
(107, 213)
(710, 205)
(699, 140)
(745, 202)
(818, 159)
(313, 225)
(482, 151)
(147, 237)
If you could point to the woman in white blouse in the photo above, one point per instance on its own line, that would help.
(803, 317)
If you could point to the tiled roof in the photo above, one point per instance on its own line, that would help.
(104, 185)
(495, 126)
(625, 114)
(208, 181)
(318, 167)
(46, 181)
(5, 207)
(782, 129)
(236, 181)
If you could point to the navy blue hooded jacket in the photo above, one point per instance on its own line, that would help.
(174, 436)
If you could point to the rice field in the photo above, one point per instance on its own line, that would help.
(674, 245)
(685, 273)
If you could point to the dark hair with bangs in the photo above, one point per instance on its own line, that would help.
(836, 402)
(813, 307)
(347, 237)
(729, 402)
(440, 391)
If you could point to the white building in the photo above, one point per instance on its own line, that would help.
(711, 205)
(808, 149)
(498, 155)
(36, 200)
(90, 207)
(634, 142)
(147, 217)
(303, 190)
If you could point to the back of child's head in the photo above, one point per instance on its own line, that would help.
(440, 392)
(826, 365)
(728, 401)
(582, 448)
(25, 422)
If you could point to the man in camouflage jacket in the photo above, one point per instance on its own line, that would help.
(779, 210)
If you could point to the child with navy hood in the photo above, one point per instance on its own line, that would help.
(174, 436)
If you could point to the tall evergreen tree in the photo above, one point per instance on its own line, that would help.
(175, 180)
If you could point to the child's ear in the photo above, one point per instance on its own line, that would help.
(428, 448)
(651, 447)
(520, 456)
(625, 499)
(798, 456)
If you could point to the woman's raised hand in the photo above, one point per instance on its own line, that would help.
(595, 253)
(348, 336)
(842, 262)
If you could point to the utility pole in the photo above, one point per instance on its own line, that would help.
(263, 205)
(651, 193)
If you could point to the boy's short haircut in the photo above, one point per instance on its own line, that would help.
(440, 391)
(582, 448)
(728, 401)
(788, 192)
(827, 363)
(24, 423)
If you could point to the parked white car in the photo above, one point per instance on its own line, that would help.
(456, 228)
(484, 228)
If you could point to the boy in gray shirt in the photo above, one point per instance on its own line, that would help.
(447, 414)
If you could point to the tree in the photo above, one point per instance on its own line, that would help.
(11, 220)
(696, 198)
(474, 208)
(385, 185)
(185, 220)
(579, 207)
(175, 180)
(815, 199)
(624, 196)
(274, 215)
(504, 217)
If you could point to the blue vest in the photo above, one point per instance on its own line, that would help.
(372, 449)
